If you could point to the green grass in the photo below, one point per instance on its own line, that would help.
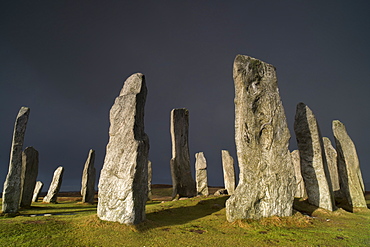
(198, 221)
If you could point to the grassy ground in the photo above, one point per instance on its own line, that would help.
(198, 221)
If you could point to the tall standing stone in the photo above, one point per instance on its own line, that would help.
(56, 183)
(229, 171)
(266, 181)
(331, 159)
(182, 181)
(301, 190)
(88, 178)
(201, 174)
(314, 167)
(30, 166)
(36, 192)
(13, 186)
(123, 184)
(351, 183)
(150, 174)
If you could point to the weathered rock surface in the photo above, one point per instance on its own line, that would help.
(229, 171)
(36, 192)
(123, 184)
(52, 195)
(221, 192)
(150, 174)
(201, 174)
(314, 167)
(351, 183)
(301, 190)
(88, 178)
(266, 181)
(13, 186)
(331, 159)
(182, 180)
(30, 166)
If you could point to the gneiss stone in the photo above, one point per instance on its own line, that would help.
(150, 173)
(13, 186)
(314, 167)
(182, 181)
(351, 183)
(88, 178)
(30, 166)
(201, 174)
(123, 184)
(52, 195)
(229, 171)
(331, 159)
(36, 192)
(266, 182)
(301, 190)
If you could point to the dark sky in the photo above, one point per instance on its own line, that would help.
(67, 61)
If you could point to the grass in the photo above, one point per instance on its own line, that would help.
(198, 221)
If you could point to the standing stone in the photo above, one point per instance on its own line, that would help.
(351, 183)
(123, 184)
(201, 174)
(52, 195)
(301, 190)
(36, 192)
(266, 182)
(182, 181)
(13, 186)
(331, 159)
(88, 179)
(314, 166)
(229, 171)
(150, 174)
(30, 166)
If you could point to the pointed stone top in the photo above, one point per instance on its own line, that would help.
(133, 85)
(338, 124)
(253, 69)
(23, 110)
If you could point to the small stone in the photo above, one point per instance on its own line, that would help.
(182, 180)
(221, 192)
(123, 184)
(12, 189)
(30, 165)
(229, 171)
(351, 183)
(88, 179)
(331, 159)
(36, 192)
(201, 174)
(56, 183)
(301, 190)
(150, 174)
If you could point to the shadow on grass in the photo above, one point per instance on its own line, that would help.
(178, 215)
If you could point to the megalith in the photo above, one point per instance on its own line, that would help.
(150, 174)
(37, 190)
(201, 174)
(301, 190)
(266, 182)
(56, 183)
(182, 180)
(331, 159)
(30, 166)
(314, 167)
(351, 183)
(12, 189)
(88, 179)
(229, 171)
(123, 183)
